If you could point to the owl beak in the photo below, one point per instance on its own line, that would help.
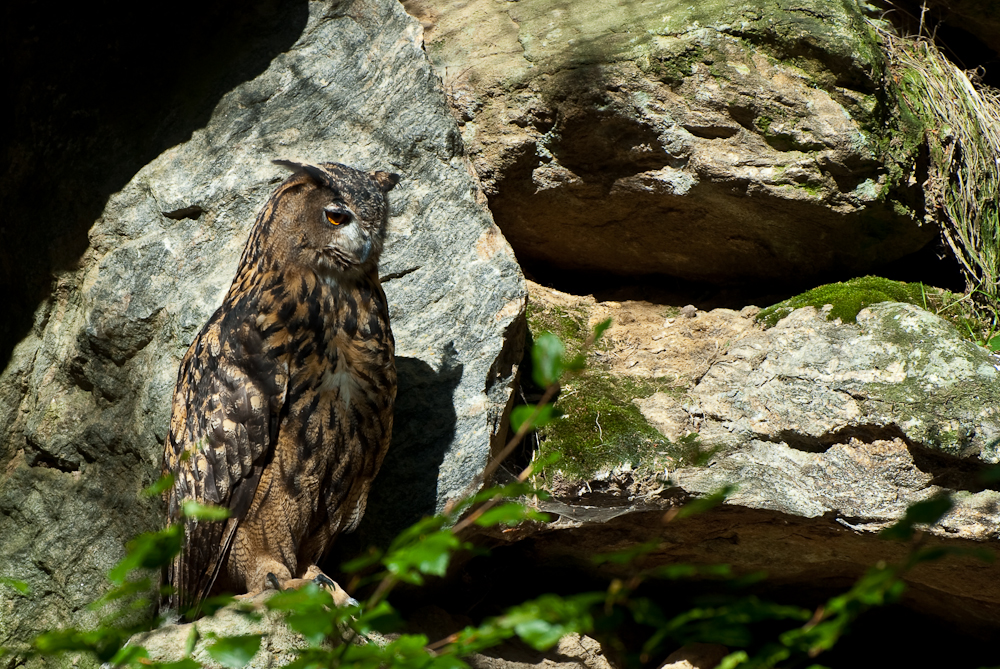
(365, 251)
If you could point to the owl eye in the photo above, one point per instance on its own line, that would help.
(337, 213)
(337, 217)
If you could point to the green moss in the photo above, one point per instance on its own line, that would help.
(815, 190)
(847, 298)
(850, 297)
(672, 65)
(570, 325)
(601, 427)
(671, 312)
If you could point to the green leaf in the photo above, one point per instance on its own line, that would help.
(524, 413)
(314, 626)
(575, 364)
(676, 572)
(126, 589)
(165, 482)
(626, 555)
(192, 641)
(547, 358)
(646, 612)
(212, 604)
(207, 512)
(382, 618)
(104, 642)
(733, 660)
(235, 651)
(703, 504)
(516, 489)
(129, 655)
(543, 461)
(150, 550)
(306, 599)
(315, 658)
(186, 663)
(430, 554)
(600, 329)
(994, 343)
(20, 586)
(926, 512)
(363, 561)
(543, 621)
(416, 530)
(510, 513)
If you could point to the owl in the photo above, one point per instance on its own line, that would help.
(282, 411)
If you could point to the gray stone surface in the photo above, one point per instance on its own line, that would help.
(85, 399)
(828, 431)
(712, 140)
(857, 421)
(811, 382)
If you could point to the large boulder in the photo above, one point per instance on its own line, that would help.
(855, 420)
(827, 431)
(713, 141)
(86, 395)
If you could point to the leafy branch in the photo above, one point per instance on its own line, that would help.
(340, 636)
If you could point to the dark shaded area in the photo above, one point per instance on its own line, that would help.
(423, 427)
(899, 635)
(94, 91)
(966, 31)
(933, 265)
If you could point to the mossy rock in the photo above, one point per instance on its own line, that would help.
(849, 297)
(600, 427)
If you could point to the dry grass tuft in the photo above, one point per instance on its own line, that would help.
(962, 129)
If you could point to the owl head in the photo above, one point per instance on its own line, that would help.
(329, 217)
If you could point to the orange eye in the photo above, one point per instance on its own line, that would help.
(336, 218)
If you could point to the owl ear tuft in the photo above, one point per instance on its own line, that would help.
(317, 173)
(385, 180)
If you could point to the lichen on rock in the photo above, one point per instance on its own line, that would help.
(708, 141)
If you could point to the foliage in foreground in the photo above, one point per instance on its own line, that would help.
(337, 637)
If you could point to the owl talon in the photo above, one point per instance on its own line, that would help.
(272, 581)
(324, 581)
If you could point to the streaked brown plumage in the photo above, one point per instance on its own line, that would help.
(283, 405)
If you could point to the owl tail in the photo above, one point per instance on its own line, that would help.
(194, 571)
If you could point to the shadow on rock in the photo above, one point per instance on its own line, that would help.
(78, 128)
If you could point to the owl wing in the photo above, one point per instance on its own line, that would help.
(228, 404)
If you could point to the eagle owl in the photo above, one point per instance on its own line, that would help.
(283, 407)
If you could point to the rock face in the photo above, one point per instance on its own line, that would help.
(86, 396)
(827, 430)
(711, 141)
(812, 382)
(856, 421)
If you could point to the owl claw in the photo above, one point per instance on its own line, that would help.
(272, 581)
(324, 581)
